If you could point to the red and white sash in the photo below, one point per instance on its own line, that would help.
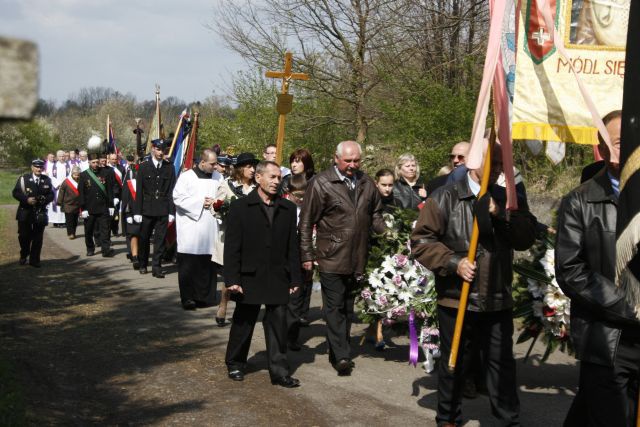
(73, 185)
(132, 188)
(118, 176)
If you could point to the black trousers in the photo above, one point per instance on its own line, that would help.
(298, 307)
(608, 395)
(197, 278)
(30, 238)
(101, 222)
(157, 225)
(72, 223)
(275, 333)
(338, 297)
(495, 344)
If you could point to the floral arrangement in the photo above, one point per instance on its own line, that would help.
(540, 303)
(399, 289)
(220, 208)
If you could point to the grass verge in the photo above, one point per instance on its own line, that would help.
(7, 182)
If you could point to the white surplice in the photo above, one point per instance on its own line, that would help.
(196, 227)
(57, 175)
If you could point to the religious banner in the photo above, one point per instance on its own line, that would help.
(549, 104)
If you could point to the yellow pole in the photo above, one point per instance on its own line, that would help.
(280, 141)
(175, 135)
(471, 256)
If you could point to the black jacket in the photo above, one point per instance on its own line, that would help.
(263, 258)
(43, 192)
(406, 196)
(585, 270)
(154, 189)
(92, 198)
(442, 236)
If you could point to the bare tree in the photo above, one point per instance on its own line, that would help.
(340, 43)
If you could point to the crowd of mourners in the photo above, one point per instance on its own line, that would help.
(268, 228)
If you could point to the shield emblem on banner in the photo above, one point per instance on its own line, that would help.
(539, 38)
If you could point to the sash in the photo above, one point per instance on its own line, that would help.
(73, 186)
(97, 181)
(132, 188)
(118, 175)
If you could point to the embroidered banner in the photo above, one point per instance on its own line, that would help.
(548, 105)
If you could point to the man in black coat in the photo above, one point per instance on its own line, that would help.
(604, 327)
(261, 266)
(96, 187)
(34, 192)
(119, 177)
(153, 207)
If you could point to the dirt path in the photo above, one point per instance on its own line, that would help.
(93, 342)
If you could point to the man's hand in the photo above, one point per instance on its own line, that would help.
(111, 211)
(293, 290)
(466, 270)
(307, 265)
(129, 220)
(137, 218)
(208, 201)
(171, 218)
(84, 214)
(494, 209)
(31, 200)
(116, 201)
(235, 289)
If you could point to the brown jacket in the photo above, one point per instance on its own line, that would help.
(442, 235)
(67, 199)
(343, 227)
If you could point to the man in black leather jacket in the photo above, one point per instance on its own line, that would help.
(604, 328)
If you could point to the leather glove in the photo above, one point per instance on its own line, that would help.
(137, 218)
(116, 201)
(171, 218)
(111, 211)
(129, 220)
(84, 214)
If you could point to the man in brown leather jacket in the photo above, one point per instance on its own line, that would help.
(440, 241)
(604, 328)
(343, 204)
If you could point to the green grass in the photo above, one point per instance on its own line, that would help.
(8, 180)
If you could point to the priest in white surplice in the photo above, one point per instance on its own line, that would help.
(196, 230)
(60, 170)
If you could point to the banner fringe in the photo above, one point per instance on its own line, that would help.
(547, 132)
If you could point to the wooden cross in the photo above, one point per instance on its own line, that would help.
(285, 100)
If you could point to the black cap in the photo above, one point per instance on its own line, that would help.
(93, 156)
(130, 158)
(246, 159)
(161, 144)
(37, 163)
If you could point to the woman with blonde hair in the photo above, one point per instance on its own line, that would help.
(409, 188)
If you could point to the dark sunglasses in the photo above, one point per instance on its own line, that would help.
(456, 156)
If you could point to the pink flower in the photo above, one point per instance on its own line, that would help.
(366, 293)
(401, 260)
(397, 280)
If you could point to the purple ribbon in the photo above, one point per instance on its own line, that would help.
(413, 338)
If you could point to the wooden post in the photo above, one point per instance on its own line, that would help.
(471, 256)
(285, 100)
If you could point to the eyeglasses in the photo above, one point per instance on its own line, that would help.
(456, 157)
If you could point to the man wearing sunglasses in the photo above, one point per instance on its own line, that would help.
(457, 158)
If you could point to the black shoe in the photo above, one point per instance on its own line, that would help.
(35, 264)
(143, 270)
(189, 304)
(294, 346)
(287, 382)
(158, 274)
(136, 262)
(91, 252)
(129, 257)
(236, 375)
(22, 261)
(344, 367)
(303, 322)
(221, 321)
(109, 254)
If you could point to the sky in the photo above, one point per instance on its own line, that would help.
(127, 45)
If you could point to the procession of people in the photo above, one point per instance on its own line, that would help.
(264, 229)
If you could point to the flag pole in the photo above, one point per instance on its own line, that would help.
(108, 130)
(175, 135)
(473, 246)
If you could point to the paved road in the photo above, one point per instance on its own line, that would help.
(172, 361)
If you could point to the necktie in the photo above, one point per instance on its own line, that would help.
(37, 181)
